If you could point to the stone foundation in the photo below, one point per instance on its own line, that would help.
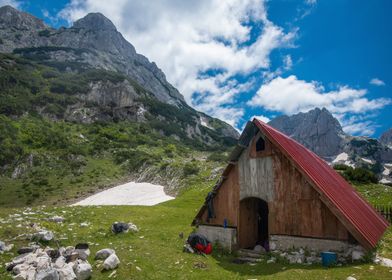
(286, 242)
(227, 237)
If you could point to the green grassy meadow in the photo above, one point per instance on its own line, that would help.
(155, 252)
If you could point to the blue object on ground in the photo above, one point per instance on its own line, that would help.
(328, 258)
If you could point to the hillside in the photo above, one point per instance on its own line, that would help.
(81, 110)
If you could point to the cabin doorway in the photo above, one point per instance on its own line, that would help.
(253, 224)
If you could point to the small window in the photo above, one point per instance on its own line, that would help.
(260, 145)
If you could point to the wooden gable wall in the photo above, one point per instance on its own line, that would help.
(294, 206)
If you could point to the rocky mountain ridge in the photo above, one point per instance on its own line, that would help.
(93, 43)
(386, 138)
(319, 131)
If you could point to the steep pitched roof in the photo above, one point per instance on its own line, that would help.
(360, 219)
(363, 222)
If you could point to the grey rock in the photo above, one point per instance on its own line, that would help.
(43, 235)
(103, 253)
(317, 130)
(385, 262)
(83, 250)
(48, 274)
(59, 262)
(386, 138)
(2, 246)
(43, 263)
(57, 219)
(66, 272)
(83, 270)
(120, 227)
(259, 249)
(20, 268)
(111, 262)
(25, 250)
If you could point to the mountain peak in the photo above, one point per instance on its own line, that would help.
(11, 17)
(316, 129)
(386, 138)
(95, 21)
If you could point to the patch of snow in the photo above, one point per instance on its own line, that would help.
(140, 111)
(367, 160)
(349, 163)
(389, 165)
(131, 193)
(386, 171)
(205, 124)
(341, 157)
(385, 181)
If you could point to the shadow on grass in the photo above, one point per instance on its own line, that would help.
(262, 268)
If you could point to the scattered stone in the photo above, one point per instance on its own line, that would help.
(200, 265)
(188, 249)
(48, 274)
(103, 254)
(66, 272)
(2, 246)
(5, 248)
(56, 219)
(271, 260)
(112, 274)
(119, 227)
(19, 268)
(84, 224)
(60, 262)
(259, 249)
(83, 270)
(357, 255)
(351, 278)
(43, 235)
(83, 250)
(111, 262)
(25, 250)
(133, 227)
(53, 253)
(43, 262)
(72, 257)
(385, 262)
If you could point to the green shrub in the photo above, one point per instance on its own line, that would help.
(44, 33)
(191, 168)
(340, 167)
(217, 156)
(360, 175)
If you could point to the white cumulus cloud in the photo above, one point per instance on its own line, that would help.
(13, 3)
(200, 45)
(291, 95)
(377, 82)
(262, 118)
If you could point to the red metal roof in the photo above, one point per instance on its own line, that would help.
(359, 217)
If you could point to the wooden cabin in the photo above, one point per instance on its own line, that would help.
(275, 191)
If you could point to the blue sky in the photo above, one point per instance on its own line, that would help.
(237, 59)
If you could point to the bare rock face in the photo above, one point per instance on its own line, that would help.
(320, 132)
(386, 138)
(317, 130)
(93, 42)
